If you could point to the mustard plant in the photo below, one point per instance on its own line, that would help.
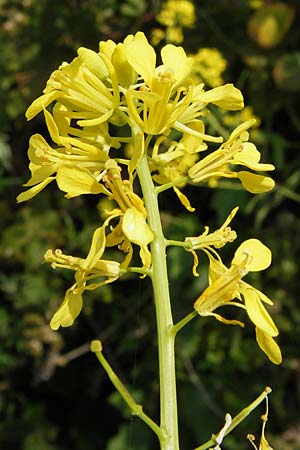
(163, 146)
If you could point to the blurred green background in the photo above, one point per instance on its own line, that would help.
(53, 393)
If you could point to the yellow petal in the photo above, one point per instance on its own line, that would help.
(141, 56)
(227, 97)
(52, 127)
(184, 200)
(258, 313)
(34, 190)
(94, 62)
(62, 119)
(125, 72)
(40, 103)
(264, 444)
(40, 173)
(175, 59)
(259, 255)
(135, 227)
(250, 156)
(67, 312)
(115, 237)
(107, 47)
(77, 181)
(216, 269)
(256, 184)
(97, 248)
(219, 293)
(38, 147)
(268, 346)
(264, 298)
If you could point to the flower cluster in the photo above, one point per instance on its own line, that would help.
(209, 64)
(109, 110)
(174, 16)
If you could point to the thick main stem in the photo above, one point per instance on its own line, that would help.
(159, 276)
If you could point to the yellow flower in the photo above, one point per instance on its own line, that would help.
(116, 53)
(159, 82)
(88, 273)
(87, 86)
(236, 151)
(171, 160)
(132, 227)
(75, 164)
(256, 4)
(63, 131)
(174, 35)
(226, 285)
(162, 100)
(207, 240)
(157, 35)
(177, 12)
(208, 66)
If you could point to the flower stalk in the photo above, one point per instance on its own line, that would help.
(165, 336)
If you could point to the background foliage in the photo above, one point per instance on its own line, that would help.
(52, 393)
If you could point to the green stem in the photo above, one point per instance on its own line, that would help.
(136, 409)
(159, 277)
(184, 322)
(237, 419)
(177, 182)
(177, 243)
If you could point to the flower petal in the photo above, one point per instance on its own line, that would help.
(40, 173)
(34, 190)
(97, 248)
(258, 313)
(249, 156)
(77, 181)
(40, 103)
(68, 311)
(256, 184)
(260, 255)
(221, 291)
(141, 56)
(175, 58)
(268, 346)
(227, 97)
(135, 227)
(93, 62)
(125, 72)
(38, 147)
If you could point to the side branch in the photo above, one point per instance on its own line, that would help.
(136, 409)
